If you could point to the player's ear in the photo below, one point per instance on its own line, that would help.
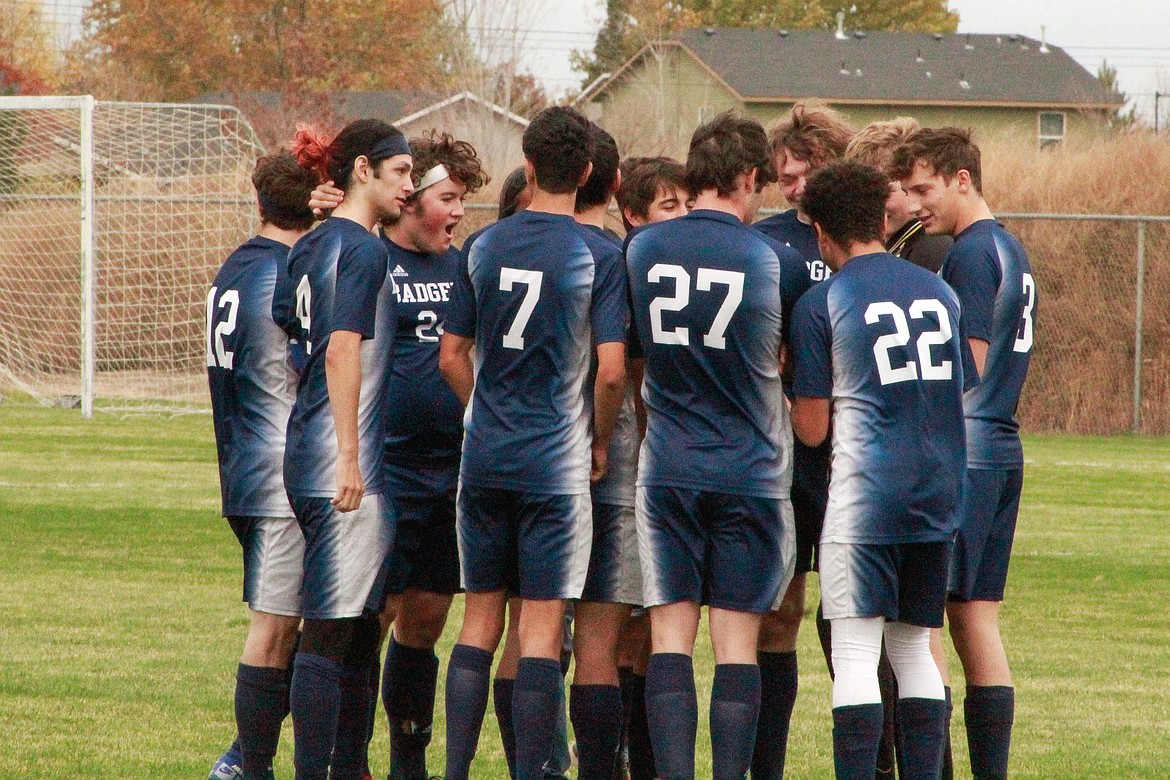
(617, 184)
(629, 216)
(362, 168)
(585, 176)
(749, 180)
(964, 177)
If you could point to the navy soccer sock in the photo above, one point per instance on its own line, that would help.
(857, 729)
(626, 683)
(261, 696)
(778, 686)
(641, 753)
(596, 712)
(922, 728)
(503, 690)
(948, 764)
(990, 711)
(888, 684)
(408, 693)
(468, 680)
(353, 713)
(672, 711)
(735, 705)
(534, 704)
(314, 700)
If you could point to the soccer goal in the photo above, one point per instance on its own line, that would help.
(113, 220)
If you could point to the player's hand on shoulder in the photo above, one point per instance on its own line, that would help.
(600, 463)
(350, 487)
(325, 198)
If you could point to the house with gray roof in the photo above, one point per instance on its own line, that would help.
(994, 83)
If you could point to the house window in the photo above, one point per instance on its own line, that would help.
(1052, 128)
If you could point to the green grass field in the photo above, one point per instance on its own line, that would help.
(120, 624)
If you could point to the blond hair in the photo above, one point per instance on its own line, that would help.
(875, 143)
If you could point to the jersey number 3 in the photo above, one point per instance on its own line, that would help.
(217, 354)
(705, 277)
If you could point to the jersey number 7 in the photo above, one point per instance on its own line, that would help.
(514, 338)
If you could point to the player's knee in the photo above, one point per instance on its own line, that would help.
(909, 650)
(857, 646)
(363, 647)
(328, 638)
(422, 624)
(779, 628)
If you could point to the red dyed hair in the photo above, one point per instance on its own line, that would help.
(312, 150)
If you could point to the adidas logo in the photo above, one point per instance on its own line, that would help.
(399, 271)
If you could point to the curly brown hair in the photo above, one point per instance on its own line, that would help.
(812, 133)
(458, 157)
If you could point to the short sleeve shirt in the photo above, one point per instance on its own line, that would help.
(537, 292)
(251, 379)
(708, 295)
(990, 271)
(883, 339)
(338, 274)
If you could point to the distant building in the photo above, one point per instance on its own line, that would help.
(993, 83)
(494, 131)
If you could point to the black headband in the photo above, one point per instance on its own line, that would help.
(388, 147)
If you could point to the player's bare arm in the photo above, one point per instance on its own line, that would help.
(979, 353)
(810, 420)
(607, 401)
(343, 374)
(455, 365)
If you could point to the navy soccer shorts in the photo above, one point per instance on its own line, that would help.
(615, 573)
(347, 555)
(426, 547)
(987, 526)
(906, 583)
(726, 551)
(274, 555)
(531, 544)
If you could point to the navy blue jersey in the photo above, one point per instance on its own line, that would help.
(708, 296)
(424, 418)
(251, 379)
(618, 486)
(882, 339)
(538, 292)
(989, 270)
(786, 228)
(339, 281)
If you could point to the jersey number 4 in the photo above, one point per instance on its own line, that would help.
(705, 277)
(514, 338)
(901, 337)
(218, 356)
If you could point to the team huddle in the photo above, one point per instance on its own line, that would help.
(557, 421)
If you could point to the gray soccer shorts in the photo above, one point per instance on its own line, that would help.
(274, 553)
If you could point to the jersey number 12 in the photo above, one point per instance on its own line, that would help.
(219, 356)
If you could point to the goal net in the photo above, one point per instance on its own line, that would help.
(113, 220)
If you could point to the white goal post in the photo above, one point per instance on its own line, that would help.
(113, 220)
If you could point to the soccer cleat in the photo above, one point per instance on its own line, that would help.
(227, 767)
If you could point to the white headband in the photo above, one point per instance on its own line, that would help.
(433, 176)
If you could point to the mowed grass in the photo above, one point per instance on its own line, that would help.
(120, 625)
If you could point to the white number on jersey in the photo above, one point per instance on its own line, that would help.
(901, 337)
(428, 320)
(705, 277)
(304, 305)
(514, 338)
(217, 353)
(1024, 334)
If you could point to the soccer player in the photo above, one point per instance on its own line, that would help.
(539, 296)
(878, 349)
(941, 172)
(905, 237)
(515, 194)
(810, 138)
(252, 385)
(653, 189)
(709, 296)
(424, 433)
(340, 304)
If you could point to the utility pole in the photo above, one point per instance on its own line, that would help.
(1157, 97)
